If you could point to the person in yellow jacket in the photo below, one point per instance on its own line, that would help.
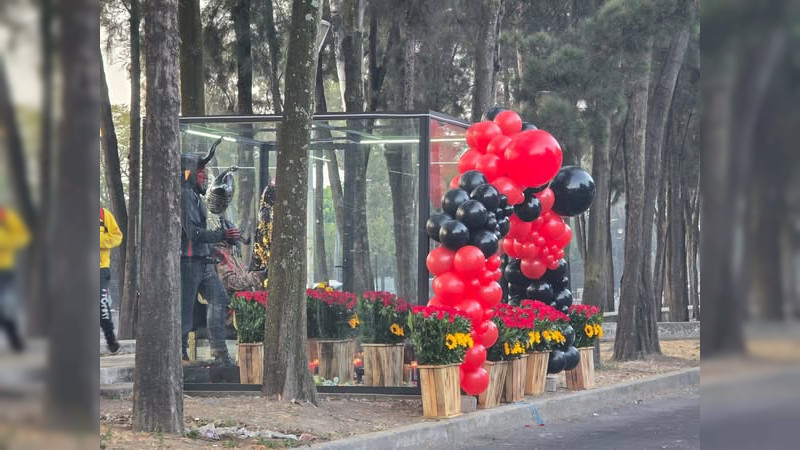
(110, 237)
(14, 235)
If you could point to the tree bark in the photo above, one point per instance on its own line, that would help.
(158, 379)
(595, 290)
(193, 102)
(661, 236)
(72, 377)
(320, 256)
(130, 292)
(285, 361)
(485, 46)
(244, 106)
(676, 266)
(637, 331)
(274, 57)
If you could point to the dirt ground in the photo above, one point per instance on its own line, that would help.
(334, 419)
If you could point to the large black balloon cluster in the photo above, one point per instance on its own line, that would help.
(552, 288)
(474, 213)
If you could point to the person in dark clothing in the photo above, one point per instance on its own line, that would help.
(197, 259)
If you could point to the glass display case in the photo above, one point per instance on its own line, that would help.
(373, 180)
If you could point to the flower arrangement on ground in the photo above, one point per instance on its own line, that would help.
(440, 334)
(331, 313)
(381, 318)
(513, 324)
(587, 322)
(249, 311)
(549, 326)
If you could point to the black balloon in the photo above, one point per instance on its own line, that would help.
(556, 362)
(529, 209)
(471, 179)
(504, 225)
(513, 272)
(435, 221)
(492, 112)
(537, 189)
(528, 126)
(486, 241)
(491, 222)
(508, 210)
(514, 299)
(541, 290)
(558, 273)
(472, 213)
(569, 333)
(571, 358)
(486, 194)
(563, 298)
(503, 201)
(573, 189)
(452, 199)
(516, 290)
(562, 283)
(453, 234)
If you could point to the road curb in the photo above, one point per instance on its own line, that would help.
(445, 433)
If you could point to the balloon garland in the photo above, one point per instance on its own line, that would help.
(508, 199)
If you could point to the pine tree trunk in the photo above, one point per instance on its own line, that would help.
(659, 267)
(485, 46)
(320, 256)
(72, 377)
(595, 291)
(244, 106)
(286, 371)
(193, 102)
(637, 334)
(130, 292)
(158, 379)
(676, 264)
(274, 57)
(110, 146)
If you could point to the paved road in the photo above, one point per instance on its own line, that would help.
(671, 421)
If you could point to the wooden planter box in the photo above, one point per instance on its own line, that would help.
(582, 376)
(441, 393)
(383, 364)
(251, 363)
(336, 359)
(536, 373)
(514, 386)
(490, 398)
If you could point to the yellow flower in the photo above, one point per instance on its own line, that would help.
(353, 322)
(518, 349)
(598, 330)
(397, 330)
(328, 289)
(589, 330)
(506, 348)
(450, 341)
(546, 334)
(464, 340)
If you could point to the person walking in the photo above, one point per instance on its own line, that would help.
(14, 235)
(110, 237)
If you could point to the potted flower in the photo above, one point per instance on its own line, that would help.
(249, 314)
(382, 326)
(336, 323)
(587, 322)
(513, 325)
(440, 336)
(542, 337)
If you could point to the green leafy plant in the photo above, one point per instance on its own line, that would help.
(334, 313)
(249, 314)
(382, 318)
(549, 324)
(440, 334)
(587, 322)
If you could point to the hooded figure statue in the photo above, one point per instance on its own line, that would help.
(197, 263)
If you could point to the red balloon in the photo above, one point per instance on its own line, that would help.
(469, 261)
(507, 187)
(498, 274)
(493, 262)
(440, 260)
(471, 308)
(436, 301)
(468, 160)
(553, 265)
(474, 358)
(498, 145)
(563, 240)
(545, 251)
(529, 251)
(509, 122)
(472, 286)
(488, 314)
(508, 247)
(546, 200)
(486, 277)
(560, 254)
(518, 228)
(475, 382)
(553, 228)
(549, 260)
(490, 165)
(534, 158)
(448, 286)
(489, 337)
(481, 133)
(490, 295)
(454, 181)
(480, 328)
(532, 268)
(540, 242)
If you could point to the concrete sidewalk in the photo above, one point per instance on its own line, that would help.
(446, 433)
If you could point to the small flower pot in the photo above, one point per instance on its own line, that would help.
(336, 359)
(441, 393)
(490, 398)
(582, 376)
(383, 364)
(514, 385)
(536, 373)
(251, 363)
